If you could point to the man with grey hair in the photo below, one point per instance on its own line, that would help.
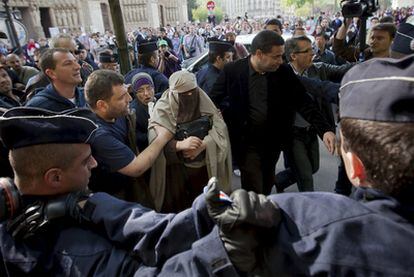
(302, 156)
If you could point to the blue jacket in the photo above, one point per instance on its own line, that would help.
(126, 240)
(206, 77)
(49, 99)
(326, 234)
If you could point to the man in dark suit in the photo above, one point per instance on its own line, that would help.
(259, 96)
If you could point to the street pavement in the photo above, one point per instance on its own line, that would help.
(324, 179)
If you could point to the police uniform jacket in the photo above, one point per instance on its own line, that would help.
(207, 76)
(325, 234)
(286, 95)
(50, 99)
(124, 239)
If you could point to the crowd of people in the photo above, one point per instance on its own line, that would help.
(71, 124)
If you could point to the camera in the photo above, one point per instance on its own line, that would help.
(358, 8)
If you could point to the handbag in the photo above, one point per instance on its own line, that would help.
(197, 128)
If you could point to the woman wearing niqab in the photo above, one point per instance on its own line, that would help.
(184, 167)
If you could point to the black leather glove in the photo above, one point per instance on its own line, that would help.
(241, 221)
(40, 214)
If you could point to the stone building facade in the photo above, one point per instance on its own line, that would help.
(402, 3)
(257, 9)
(41, 17)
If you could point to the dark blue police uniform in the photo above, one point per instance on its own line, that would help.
(326, 234)
(127, 240)
(51, 100)
(207, 76)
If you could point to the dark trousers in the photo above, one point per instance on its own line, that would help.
(301, 160)
(257, 169)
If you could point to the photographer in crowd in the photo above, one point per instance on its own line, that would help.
(169, 62)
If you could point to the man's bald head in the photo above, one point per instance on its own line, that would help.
(14, 62)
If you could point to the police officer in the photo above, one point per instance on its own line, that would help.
(369, 234)
(219, 54)
(107, 60)
(148, 58)
(56, 228)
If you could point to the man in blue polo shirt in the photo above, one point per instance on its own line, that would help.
(115, 144)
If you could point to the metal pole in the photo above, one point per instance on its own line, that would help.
(9, 21)
(117, 19)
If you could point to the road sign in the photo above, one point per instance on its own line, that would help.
(211, 5)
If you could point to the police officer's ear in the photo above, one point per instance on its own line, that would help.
(355, 169)
(53, 177)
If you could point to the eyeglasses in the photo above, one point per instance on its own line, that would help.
(309, 50)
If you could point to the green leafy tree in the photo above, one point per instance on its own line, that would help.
(201, 13)
(298, 3)
(191, 5)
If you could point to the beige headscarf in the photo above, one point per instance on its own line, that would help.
(218, 154)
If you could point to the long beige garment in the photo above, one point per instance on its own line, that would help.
(218, 150)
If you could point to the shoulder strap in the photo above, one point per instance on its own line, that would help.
(132, 137)
(192, 41)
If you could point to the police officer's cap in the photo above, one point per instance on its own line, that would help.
(147, 47)
(27, 126)
(108, 58)
(379, 90)
(215, 45)
(404, 39)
